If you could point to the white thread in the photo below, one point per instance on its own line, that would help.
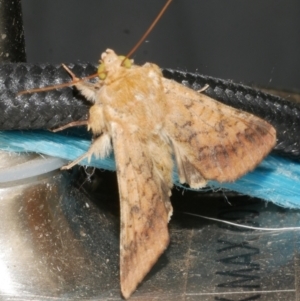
(243, 226)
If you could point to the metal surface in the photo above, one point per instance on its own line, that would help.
(56, 244)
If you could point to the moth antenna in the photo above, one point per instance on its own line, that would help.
(74, 81)
(48, 88)
(142, 39)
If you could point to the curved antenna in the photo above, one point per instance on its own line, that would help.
(142, 39)
(74, 82)
(49, 88)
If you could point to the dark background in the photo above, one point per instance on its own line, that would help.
(255, 42)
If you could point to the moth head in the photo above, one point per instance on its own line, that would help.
(110, 61)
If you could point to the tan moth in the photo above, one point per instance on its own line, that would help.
(147, 120)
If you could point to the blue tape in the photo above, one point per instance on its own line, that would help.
(276, 179)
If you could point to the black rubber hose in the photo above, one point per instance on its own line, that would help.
(44, 110)
(58, 107)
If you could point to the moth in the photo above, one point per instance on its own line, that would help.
(147, 120)
(153, 123)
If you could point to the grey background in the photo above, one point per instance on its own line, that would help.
(255, 42)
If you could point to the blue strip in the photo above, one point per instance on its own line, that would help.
(276, 179)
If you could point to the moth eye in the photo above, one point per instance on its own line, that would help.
(101, 71)
(125, 61)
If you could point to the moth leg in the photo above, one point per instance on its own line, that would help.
(69, 125)
(101, 147)
(74, 77)
(203, 88)
(88, 90)
(75, 162)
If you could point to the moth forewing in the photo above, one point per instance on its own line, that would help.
(213, 140)
(145, 208)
